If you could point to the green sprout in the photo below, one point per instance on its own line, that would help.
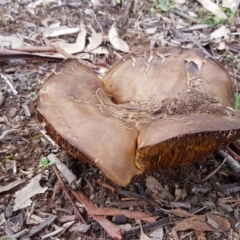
(237, 100)
(45, 163)
(209, 18)
(164, 5)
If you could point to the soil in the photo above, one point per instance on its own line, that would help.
(23, 144)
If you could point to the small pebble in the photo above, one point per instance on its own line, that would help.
(119, 219)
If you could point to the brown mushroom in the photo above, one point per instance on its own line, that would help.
(154, 108)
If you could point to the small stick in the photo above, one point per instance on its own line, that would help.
(65, 171)
(194, 20)
(40, 227)
(67, 194)
(195, 27)
(20, 234)
(7, 132)
(230, 151)
(5, 78)
(230, 161)
(103, 184)
(61, 229)
(146, 228)
(34, 49)
(215, 171)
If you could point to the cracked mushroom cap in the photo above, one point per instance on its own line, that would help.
(154, 108)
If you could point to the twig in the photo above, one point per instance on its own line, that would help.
(7, 54)
(61, 229)
(146, 228)
(195, 27)
(103, 184)
(230, 161)
(61, 51)
(35, 49)
(43, 132)
(181, 14)
(65, 171)
(215, 171)
(7, 132)
(230, 151)
(40, 227)
(5, 78)
(197, 43)
(20, 234)
(67, 194)
(113, 230)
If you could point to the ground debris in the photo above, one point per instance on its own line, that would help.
(38, 35)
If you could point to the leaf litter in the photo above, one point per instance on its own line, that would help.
(146, 26)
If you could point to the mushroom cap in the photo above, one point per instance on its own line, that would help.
(153, 108)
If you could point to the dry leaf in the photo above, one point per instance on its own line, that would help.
(113, 230)
(199, 223)
(58, 31)
(95, 41)
(23, 196)
(153, 184)
(2, 218)
(76, 47)
(232, 4)
(100, 50)
(180, 194)
(10, 42)
(213, 8)
(157, 234)
(117, 212)
(221, 32)
(11, 185)
(115, 40)
(143, 235)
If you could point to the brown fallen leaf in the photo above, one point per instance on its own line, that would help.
(96, 40)
(76, 47)
(11, 185)
(113, 230)
(199, 223)
(116, 41)
(116, 212)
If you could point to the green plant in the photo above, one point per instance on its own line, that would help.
(209, 18)
(237, 100)
(45, 163)
(164, 5)
(34, 95)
